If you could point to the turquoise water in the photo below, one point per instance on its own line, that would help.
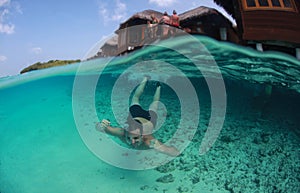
(44, 116)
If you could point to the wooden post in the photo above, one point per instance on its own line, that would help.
(259, 47)
(298, 53)
(223, 33)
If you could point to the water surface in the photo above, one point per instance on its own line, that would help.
(257, 150)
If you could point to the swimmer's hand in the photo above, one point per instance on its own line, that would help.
(104, 126)
(101, 126)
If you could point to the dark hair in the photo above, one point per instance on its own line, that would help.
(174, 12)
(165, 13)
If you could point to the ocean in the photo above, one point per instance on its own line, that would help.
(233, 113)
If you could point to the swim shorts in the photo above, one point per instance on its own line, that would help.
(138, 111)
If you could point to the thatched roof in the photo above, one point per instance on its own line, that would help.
(228, 5)
(112, 41)
(144, 15)
(200, 11)
(215, 16)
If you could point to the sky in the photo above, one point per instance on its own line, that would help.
(39, 31)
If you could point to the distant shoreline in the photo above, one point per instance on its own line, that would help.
(49, 64)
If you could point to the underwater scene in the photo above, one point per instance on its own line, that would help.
(231, 111)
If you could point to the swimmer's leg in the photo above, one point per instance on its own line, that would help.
(156, 97)
(138, 92)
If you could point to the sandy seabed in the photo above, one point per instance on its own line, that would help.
(257, 150)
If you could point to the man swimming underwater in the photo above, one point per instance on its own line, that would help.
(140, 124)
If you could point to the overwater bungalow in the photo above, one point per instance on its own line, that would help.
(110, 48)
(262, 24)
(134, 33)
(267, 24)
(210, 22)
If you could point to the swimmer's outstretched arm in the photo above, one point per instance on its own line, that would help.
(104, 125)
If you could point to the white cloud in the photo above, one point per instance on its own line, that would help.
(103, 12)
(4, 27)
(6, 7)
(120, 11)
(4, 2)
(36, 50)
(7, 28)
(117, 13)
(2, 58)
(18, 8)
(163, 3)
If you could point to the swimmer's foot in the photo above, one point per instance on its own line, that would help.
(145, 79)
(158, 84)
(148, 77)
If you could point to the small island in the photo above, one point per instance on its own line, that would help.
(49, 64)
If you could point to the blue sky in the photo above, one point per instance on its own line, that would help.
(39, 31)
